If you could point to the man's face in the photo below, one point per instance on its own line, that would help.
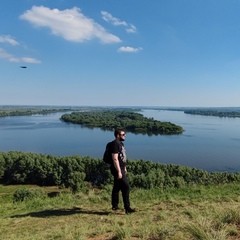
(122, 136)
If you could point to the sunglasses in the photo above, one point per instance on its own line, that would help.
(124, 134)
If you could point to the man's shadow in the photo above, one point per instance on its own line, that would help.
(60, 212)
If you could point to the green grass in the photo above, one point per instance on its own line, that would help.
(194, 213)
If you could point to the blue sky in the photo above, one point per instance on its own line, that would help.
(177, 53)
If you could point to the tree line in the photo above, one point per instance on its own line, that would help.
(29, 112)
(78, 173)
(130, 121)
(6, 111)
(215, 113)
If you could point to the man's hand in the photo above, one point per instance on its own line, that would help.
(119, 175)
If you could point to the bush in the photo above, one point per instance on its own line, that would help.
(76, 182)
(28, 194)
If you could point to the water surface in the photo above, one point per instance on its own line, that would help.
(209, 143)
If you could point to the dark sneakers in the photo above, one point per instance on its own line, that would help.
(130, 210)
(115, 208)
(127, 211)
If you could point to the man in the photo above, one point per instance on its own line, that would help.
(119, 170)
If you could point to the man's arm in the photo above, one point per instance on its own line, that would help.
(116, 164)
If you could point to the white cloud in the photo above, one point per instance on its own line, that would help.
(8, 39)
(129, 49)
(69, 24)
(130, 28)
(11, 58)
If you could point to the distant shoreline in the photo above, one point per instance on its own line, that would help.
(27, 110)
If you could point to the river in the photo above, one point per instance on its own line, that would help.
(209, 143)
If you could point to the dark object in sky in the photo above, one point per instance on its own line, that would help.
(23, 66)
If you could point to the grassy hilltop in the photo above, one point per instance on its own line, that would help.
(73, 202)
(196, 212)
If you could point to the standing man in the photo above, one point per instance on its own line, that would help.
(119, 170)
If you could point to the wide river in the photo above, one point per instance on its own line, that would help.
(209, 143)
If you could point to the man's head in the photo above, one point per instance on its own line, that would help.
(120, 134)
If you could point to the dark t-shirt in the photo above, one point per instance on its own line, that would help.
(116, 147)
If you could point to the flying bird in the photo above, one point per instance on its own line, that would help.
(23, 66)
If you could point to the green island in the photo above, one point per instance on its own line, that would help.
(130, 121)
(69, 198)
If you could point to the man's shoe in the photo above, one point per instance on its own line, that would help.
(130, 210)
(115, 208)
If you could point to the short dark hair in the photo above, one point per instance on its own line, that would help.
(118, 131)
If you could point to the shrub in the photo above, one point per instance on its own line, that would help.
(76, 182)
(28, 194)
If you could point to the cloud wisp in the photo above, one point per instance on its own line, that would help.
(8, 39)
(70, 24)
(128, 49)
(10, 57)
(130, 28)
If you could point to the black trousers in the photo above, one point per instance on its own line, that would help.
(123, 186)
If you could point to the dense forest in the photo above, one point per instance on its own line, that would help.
(130, 121)
(78, 173)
